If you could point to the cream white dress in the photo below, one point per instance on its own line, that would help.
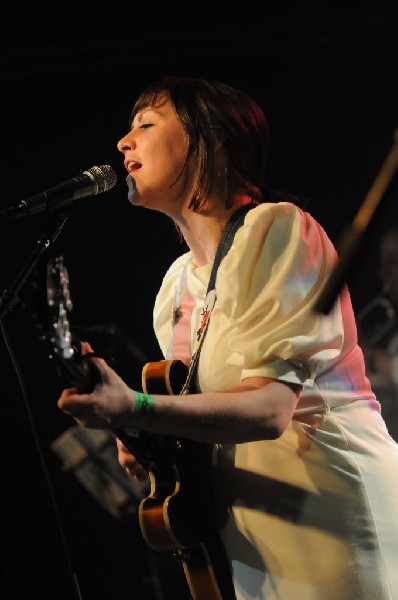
(312, 515)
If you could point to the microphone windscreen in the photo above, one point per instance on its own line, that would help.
(104, 178)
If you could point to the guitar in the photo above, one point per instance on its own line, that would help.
(177, 515)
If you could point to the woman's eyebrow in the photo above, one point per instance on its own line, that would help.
(139, 116)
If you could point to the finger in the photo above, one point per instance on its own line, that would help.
(120, 446)
(71, 399)
(66, 394)
(87, 347)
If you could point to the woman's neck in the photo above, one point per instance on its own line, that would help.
(202, 231)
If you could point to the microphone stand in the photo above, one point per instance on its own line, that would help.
(9, 298)
(352, 238)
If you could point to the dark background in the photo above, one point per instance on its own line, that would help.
(325, 74)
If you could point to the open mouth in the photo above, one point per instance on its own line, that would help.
(133, 166)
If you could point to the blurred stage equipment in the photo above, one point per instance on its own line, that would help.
(376, 319)
(91, 456)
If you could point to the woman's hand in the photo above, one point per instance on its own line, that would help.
(109, 406)
(129, 463)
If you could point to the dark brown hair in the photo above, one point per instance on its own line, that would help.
(215, 114)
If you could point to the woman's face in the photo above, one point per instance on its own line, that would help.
(155, 156)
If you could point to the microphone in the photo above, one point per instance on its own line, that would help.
(90, 183)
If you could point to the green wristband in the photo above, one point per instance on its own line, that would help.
(143, 408)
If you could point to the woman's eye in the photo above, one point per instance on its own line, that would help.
(145, 125)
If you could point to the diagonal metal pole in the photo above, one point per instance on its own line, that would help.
(352, 238)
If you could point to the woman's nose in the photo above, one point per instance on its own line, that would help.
(126, 143)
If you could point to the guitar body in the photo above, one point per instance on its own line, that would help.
(178, 514)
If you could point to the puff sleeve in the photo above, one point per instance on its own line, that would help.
(266, 288)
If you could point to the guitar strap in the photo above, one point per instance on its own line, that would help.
(225, 244)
